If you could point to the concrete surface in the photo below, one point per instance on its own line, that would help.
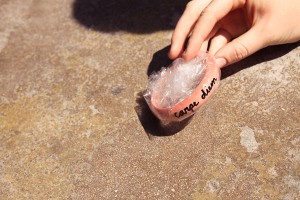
(73, 124)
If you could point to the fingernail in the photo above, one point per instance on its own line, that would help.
(221, 62)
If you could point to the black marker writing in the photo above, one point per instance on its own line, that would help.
(208, 89)
(187, 109)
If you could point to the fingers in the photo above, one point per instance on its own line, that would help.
(221, 38)
(241, 47)
(185, 25)
(207, 23)
(204, 46)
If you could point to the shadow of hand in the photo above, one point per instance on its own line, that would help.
(136, 16)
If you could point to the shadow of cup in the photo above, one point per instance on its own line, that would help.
(152, 125)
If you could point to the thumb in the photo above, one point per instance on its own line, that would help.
(241, 47)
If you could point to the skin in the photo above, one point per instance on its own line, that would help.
(234, 28)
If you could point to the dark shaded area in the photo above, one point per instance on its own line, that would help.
(152, 125)
(137, 16)
(266, 54)
(159, 59)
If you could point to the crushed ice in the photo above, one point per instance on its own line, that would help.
(173, 84)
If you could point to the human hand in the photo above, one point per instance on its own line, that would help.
(235, 29)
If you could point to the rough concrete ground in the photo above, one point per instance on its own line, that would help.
(73, 124)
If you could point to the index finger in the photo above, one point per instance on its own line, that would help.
(185, 25)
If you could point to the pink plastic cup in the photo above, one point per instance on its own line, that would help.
(187, 107)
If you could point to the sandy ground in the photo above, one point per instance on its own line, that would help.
(74, 125)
